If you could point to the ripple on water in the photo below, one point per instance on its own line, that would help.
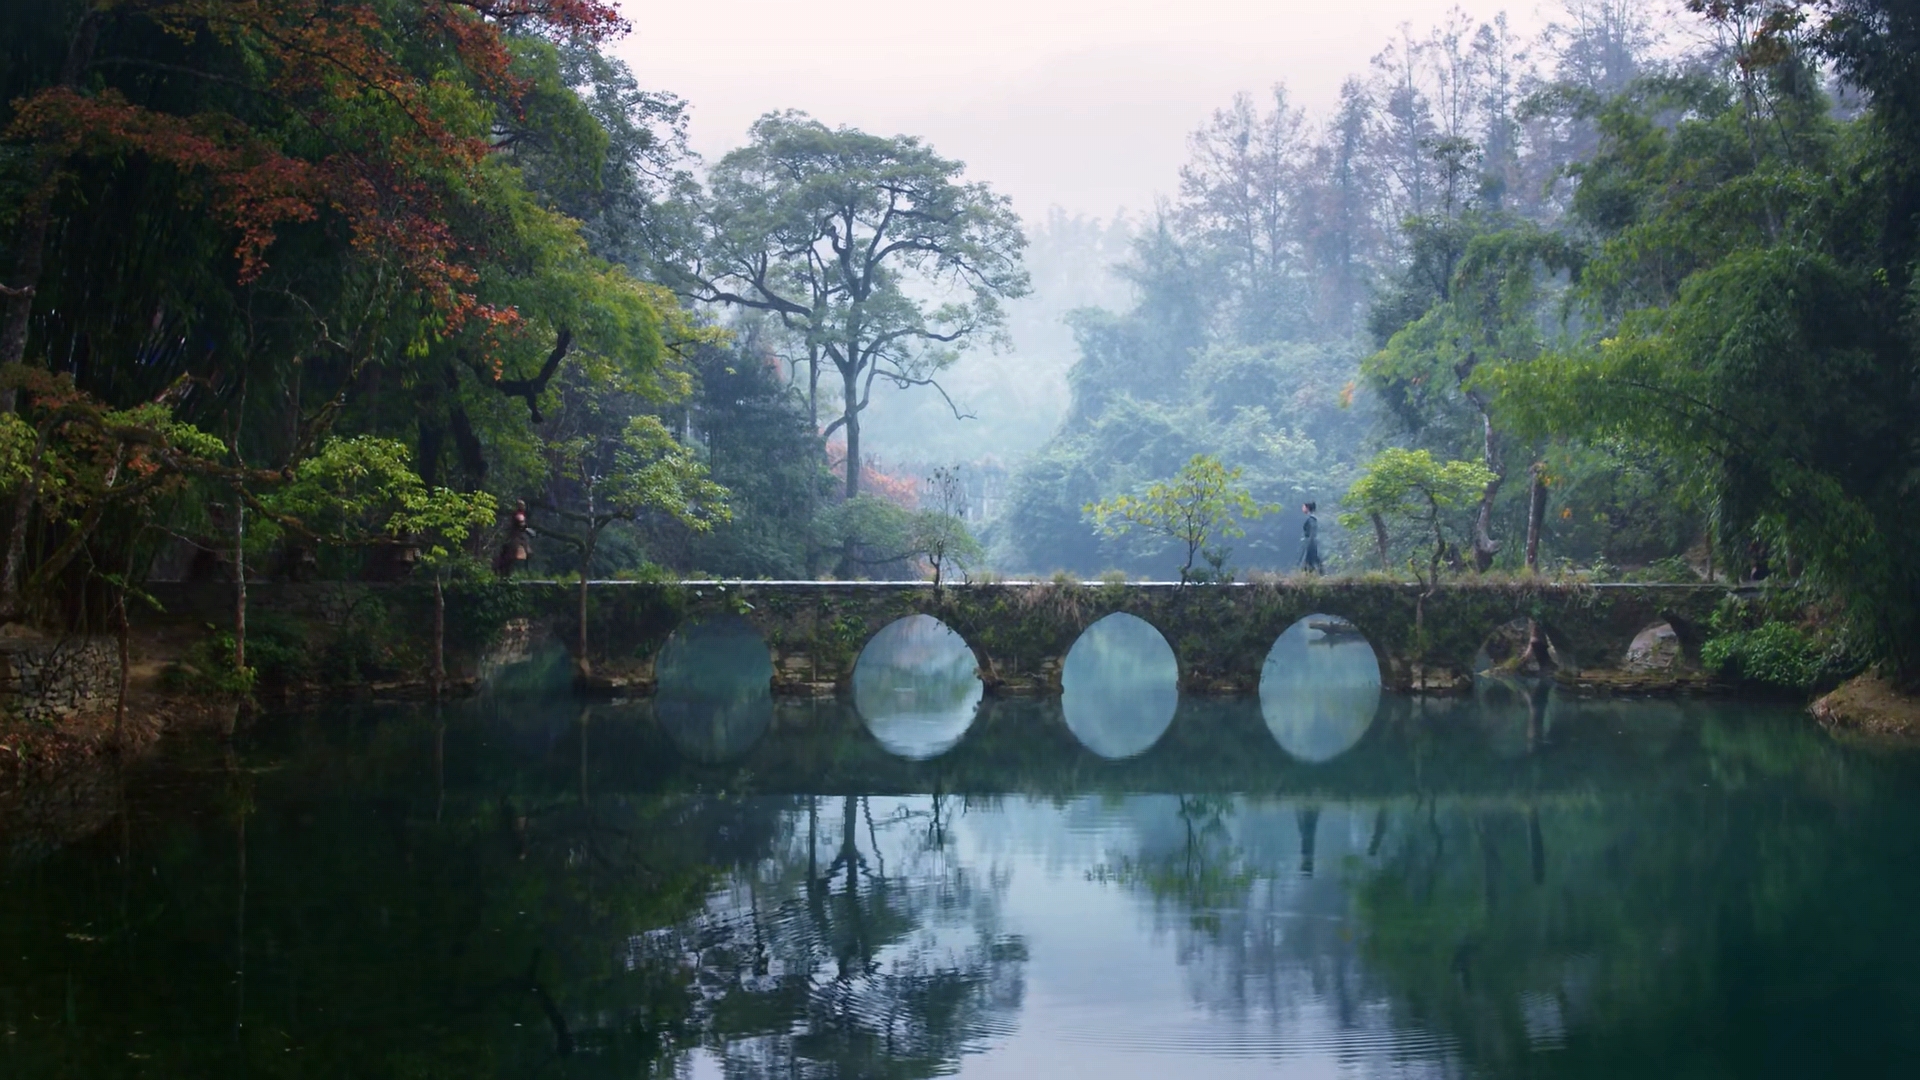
(1240, 1042)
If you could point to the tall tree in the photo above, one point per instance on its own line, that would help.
(1240, 196)
(1752, 286)
(873, 249)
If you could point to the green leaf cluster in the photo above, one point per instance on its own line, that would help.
(1775, 654)
(1409, 485)
(1202, 505)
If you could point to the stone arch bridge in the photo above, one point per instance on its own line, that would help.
(1020, 632)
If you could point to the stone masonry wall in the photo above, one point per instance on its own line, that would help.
(43, 680)
(1021, 632)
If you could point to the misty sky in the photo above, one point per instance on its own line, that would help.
(1085, 104)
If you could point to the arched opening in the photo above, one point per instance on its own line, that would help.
(1522, 648)
(1658, 648)
(1320, 688)
(916, 687)
(714, 688)
(1119, 686)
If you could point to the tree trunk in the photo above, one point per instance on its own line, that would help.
(1484, 545)
(121, 632)
(439, 676)
(1380, 539)
(1439, 545)
(30, 242)
(581, 668)
(1536, 514)
(853, 436)
(23, 500)
(239, 587)
(813, 387)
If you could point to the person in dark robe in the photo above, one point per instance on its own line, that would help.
(518, 546)
(1310, 541)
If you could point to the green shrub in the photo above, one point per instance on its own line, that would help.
(1774, 654)
(1669, 570)
(207, 668)
(478, 608)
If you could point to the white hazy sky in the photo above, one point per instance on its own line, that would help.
(1081, 104)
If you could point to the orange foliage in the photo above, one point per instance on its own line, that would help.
(392, 165)
(901, 491)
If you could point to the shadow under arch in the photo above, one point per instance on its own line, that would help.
(1320, 688)
(1669, 644)
(1119, 686)
(917, 687)
(1523, 646)
(714, 688)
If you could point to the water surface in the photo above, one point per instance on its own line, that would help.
(718, 885)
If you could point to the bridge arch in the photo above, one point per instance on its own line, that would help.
(1320, 688)
(1021, 632)
(917, 687)
(713, 685)
(1119, 686)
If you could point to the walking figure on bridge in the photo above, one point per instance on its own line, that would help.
(518, 546)
(1310, 541)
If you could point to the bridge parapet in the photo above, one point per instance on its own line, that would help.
(1021, 632)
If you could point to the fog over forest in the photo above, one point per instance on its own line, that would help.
(1229, 313)
(1599, 289)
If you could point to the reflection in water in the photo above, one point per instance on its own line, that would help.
(1673, 888)
(1320, 688)
(1513, 713)
(917, 687)
(715, 688)
(1119, 686)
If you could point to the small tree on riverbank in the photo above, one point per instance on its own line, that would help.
(364, 491)
(1410, 486)
(1198, 508)
(643, 471)
(940, 534)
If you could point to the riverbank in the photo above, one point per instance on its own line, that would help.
(1870, 705)
(36, 749)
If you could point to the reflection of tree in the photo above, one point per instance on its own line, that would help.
(856, 971)
(359, 909)
(1665, 928)
(1202, 875)
(418, 886)
(1262, 931)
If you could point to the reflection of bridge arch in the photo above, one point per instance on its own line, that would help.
(1320, 688)
(916, 687)
(1119, 686)
(714, 684)
(1423, 640)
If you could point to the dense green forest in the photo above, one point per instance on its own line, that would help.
(317, 288)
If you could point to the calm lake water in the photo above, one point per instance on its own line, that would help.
(1321, 881)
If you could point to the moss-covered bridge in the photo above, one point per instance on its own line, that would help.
(1020, 632)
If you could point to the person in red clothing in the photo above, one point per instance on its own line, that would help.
(518, 545)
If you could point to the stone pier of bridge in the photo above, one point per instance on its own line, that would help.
(1020, 633)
